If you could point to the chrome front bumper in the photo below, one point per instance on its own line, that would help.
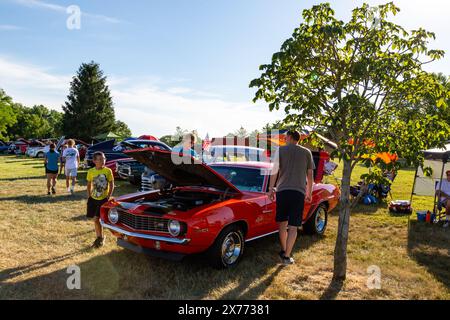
(144, 236)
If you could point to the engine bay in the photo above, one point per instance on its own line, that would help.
(178, 200)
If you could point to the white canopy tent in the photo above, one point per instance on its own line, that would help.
(439, 161)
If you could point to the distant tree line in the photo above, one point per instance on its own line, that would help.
(17, 120)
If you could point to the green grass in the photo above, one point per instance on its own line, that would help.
(42, 235)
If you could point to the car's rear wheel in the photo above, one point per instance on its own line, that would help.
(228, 248)
(317, 223)
(40, 155)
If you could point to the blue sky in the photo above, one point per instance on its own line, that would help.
(169, 62)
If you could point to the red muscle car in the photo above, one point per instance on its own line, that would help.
(213, 209)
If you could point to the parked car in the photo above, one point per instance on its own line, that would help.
(19, 146)
(131, 170)
(4, 147)
(112, 164)
(115, 152)
(216, 153)
(212, 208)
(37, 149)
(151, 181)
(37, 152)
(104, 146)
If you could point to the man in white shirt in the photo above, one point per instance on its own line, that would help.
(444, 196)
(71, 157)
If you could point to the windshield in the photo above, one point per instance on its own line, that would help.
(245, 179)
(139, 145)
(227, 154)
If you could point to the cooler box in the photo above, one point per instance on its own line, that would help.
(400, 206)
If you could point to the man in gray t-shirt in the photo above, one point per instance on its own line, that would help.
(292, 173)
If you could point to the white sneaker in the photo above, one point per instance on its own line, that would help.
(445, 225)
(287, 260)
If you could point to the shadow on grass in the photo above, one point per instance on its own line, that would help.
(35, 163)
(361, 209)
(23, 178)
(429, 245)
(44, 198)
(81, 217)
(332, 290)
(11, 273)
(81, 178)
(127, 275)
(17, 160)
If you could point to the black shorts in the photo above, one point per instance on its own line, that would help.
(93, 207)
(290, 204)
(51, 171)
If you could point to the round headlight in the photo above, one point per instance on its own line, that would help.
(174, 228)
(113, 216)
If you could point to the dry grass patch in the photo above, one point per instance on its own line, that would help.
(42, 235)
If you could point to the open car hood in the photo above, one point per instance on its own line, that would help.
(184, 174)
(104, 145)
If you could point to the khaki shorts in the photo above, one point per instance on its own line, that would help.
(72, 172)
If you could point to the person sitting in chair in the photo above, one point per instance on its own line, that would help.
(444, 196)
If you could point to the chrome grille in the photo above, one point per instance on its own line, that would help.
(145, 223)
(146, 185)
(124, 169)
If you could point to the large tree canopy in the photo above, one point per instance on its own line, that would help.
(360, 81)
(35, 122)
(122, 129)
(89, 110)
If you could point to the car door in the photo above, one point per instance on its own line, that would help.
(269, 209)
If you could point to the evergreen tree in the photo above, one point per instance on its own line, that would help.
(89, 110)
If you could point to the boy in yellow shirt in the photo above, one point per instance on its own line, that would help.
(100, 186)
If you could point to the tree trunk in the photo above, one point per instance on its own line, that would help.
(340, 250)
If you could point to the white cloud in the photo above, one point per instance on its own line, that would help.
(62, 9)
(9, 27)
(153, 110)
(148, 105)
(31, 85)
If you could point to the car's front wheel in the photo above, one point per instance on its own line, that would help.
(317, 223)
(228, 248)
(40, 155)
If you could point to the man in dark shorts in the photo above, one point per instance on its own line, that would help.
(292, 174)
(51, 168)
(100, 186)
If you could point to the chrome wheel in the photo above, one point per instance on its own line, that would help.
(231, 248)
(321, 219)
